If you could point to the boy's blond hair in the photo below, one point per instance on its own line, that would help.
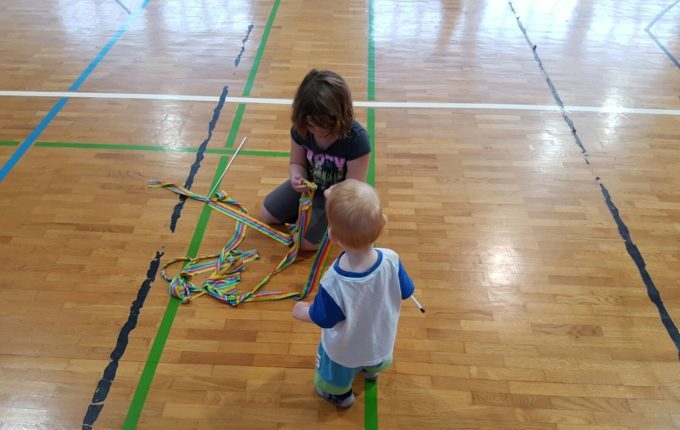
(354, 213)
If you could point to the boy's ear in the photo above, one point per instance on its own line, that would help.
(327, 191)
(384, 220)
(330, 235)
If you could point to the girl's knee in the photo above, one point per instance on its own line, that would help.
(266, 217)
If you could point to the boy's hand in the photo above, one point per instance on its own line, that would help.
(298, 184)
(301, 311)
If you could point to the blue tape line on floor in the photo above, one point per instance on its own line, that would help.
(30, 140)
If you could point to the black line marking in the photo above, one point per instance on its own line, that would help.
(124, 7)
(177, 212)
(102, 390)
(632, 249)
(635, 254)
(237, 61)
(105, 383)
(648, 29)
(553, 90)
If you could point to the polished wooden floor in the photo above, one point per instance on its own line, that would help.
(537, 316)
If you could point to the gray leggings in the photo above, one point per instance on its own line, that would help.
(282, 203)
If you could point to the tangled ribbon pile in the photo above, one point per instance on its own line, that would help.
(227, 265)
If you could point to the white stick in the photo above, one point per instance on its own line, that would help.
(422, 309)
(217, 184)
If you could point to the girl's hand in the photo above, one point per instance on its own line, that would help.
(298, 184)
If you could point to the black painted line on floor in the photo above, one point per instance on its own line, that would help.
(648, 29)
(104, 385)
(121, 4)
(624, 232)
(177, 211)
(636, 255)
(237, 60)
(553, 90)
(200, 154)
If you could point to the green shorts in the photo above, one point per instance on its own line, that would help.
(334, 378)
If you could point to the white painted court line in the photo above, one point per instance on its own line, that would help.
(372, 104)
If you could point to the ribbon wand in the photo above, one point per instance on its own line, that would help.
(233, 157)
(422, 309)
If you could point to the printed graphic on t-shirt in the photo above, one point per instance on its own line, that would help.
(326, 170)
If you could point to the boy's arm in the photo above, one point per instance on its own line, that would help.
(324, 312)
(405, 283)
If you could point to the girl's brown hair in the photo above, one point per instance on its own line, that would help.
(324, 99)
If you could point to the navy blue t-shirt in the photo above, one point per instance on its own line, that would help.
(328, 167)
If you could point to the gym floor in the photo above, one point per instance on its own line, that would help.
(527, 153)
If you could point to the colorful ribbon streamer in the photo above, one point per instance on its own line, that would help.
(228, 263)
